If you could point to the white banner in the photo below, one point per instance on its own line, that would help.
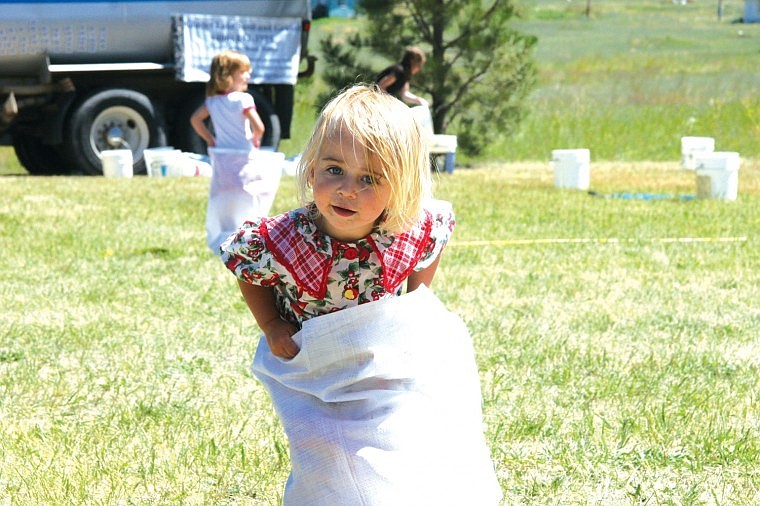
(272, 44)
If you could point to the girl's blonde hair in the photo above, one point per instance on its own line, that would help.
(223, 65)
(394, 147)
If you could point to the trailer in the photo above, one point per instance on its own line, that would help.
(81, 77)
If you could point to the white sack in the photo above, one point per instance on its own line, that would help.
(243, 186)
(382, 406)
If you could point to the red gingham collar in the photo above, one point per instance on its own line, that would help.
(308, 254)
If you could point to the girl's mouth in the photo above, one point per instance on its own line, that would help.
(342, 211)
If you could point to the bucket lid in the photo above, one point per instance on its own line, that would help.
(115, 153)
(691, 144)
(580, 155)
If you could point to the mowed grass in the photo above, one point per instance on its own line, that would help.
(616, 341)
(632, 79)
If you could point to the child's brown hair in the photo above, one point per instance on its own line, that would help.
(412, 55)
(223, 65)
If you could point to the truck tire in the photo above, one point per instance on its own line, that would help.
(105, 115)
(37, 158)
(185, 138)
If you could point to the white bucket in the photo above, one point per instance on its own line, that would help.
(571, 168)
(117, 163)
(422, 114)
(692, 147)
(717, 175)
(443, 143)
(194, 165)
(160, 162)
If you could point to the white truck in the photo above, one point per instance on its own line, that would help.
(80, 77)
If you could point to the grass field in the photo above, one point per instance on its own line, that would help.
(617, 339)
(633, 78)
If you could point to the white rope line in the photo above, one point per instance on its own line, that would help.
(600, 240)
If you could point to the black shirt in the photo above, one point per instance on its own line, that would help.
(397, 70)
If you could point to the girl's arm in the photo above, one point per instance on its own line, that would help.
(197, 121)
(423, 277)
(386, 82)
(278, 332)
(410, 97)
(257, 126)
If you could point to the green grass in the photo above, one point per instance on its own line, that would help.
(619, 363)
(635, 77)
(621, 370)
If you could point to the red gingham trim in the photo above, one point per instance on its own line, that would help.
(309, 267)
(402, 256)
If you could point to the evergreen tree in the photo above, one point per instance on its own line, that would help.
(478, 69)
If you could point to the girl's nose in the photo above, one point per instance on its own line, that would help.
(347, 189)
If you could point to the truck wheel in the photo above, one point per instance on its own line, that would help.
(185, 138)
(37, 158)
(113, 119)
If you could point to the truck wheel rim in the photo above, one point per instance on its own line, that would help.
(133, 127)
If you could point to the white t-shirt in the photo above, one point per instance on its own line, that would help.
(231, 128)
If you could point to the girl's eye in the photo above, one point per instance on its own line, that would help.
(335, 171)
(369, 180)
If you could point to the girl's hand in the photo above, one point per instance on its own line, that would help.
(279, 337)
(278, 332)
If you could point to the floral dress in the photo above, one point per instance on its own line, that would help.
(314, 274)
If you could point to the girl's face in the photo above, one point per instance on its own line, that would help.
(349, 204)
(240, 79)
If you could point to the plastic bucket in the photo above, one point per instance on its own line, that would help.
(692, 147)
(717, 175)
(422, 114)
(159, 162)
(117, 163)
(571, 168)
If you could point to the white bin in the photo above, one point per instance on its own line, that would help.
(692, 147)
(160, 162)
(571, 168)
(117, 163)
(717, 175)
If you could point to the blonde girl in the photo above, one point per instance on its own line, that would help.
(368, 225)
(242, 186)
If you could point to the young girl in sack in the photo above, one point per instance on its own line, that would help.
(243, 186)
(361, 386)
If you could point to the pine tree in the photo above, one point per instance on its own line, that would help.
(478, 70)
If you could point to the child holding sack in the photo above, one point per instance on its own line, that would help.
(377, 389)
(243, 185)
